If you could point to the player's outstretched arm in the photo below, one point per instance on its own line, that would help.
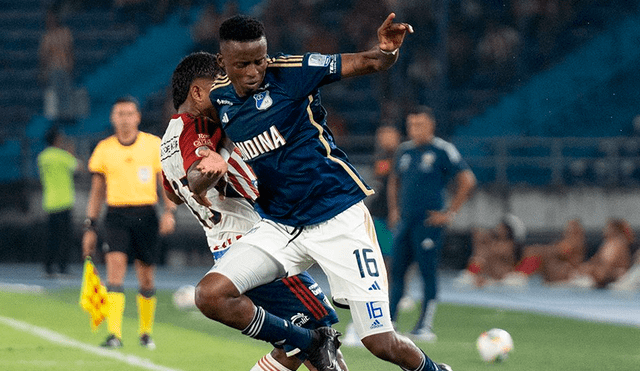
(382, 56)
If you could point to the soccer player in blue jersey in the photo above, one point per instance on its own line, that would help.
(311, 197)
(191, 138)
(422, 169)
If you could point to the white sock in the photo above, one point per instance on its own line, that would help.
(268, 363)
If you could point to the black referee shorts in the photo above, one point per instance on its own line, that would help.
(133, 230)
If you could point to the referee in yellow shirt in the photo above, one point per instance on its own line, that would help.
(127, 174)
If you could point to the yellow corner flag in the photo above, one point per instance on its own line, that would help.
(93, 295)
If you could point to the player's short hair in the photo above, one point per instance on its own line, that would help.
(241, 28)
(191, 67)
(422, 110)
(51, 135)
(127, 99)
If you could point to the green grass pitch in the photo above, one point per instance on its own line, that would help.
(188, 341)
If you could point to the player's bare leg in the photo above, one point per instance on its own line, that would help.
(219, 299)
(399, 350)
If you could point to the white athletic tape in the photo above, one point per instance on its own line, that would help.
(58, 338)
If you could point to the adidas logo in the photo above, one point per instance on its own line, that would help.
(375, 324)
(375, 286)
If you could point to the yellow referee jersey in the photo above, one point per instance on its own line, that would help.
(130, 171)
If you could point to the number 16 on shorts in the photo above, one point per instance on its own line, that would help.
(374, 309)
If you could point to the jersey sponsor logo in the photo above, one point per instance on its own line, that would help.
(375, 286)
(319, 60)
(300, 319)
(263, 100)
(224, 102)
(203, 141)
(225, 118)
(267, 141)
(169, 147)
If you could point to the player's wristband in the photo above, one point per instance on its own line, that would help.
(387, 52)
(89, 224)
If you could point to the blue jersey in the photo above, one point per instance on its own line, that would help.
(423, 173)
(282, 133)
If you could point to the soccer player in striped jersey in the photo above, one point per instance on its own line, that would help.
(311, 197)
(192, 138)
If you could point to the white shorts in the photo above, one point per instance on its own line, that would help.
(345, 247)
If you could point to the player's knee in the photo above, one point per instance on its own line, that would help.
(213, 293)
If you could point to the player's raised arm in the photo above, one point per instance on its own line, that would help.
(382, 56)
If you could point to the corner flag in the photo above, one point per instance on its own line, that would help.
(93, 295)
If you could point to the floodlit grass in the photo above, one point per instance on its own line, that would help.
(188, 341)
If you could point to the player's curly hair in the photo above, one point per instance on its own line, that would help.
(191, 67)
(241, 28)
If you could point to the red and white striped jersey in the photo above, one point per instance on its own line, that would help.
(228, 217)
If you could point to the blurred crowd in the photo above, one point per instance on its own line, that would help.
(500, 256)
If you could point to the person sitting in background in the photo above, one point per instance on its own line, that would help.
(554, 261)
(611, 261)
(494, 252)
(630, 280)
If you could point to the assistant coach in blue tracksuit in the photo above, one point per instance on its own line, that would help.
(422, 169)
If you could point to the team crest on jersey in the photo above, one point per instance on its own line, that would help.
(427, 161)
(263, 100)
(144, 174)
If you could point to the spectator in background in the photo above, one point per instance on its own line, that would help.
(631, 279)
(554, 261)
(56, 69)
(611, 261)
(493, 253)
(57, 165)
(497, 53)
(387, 142)
(201, 32)
(422, 169)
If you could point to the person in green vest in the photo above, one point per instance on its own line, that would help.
(57, 165)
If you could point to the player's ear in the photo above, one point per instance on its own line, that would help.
(220, 60)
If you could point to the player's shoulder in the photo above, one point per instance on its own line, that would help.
(148, 137)
(443, 145)
(107, 143)
(406, 146)
(285, 61)
(220, 83)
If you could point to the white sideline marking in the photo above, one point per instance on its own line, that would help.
(66, 341)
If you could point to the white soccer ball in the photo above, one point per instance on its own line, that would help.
(494, 345)
(185, 297)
